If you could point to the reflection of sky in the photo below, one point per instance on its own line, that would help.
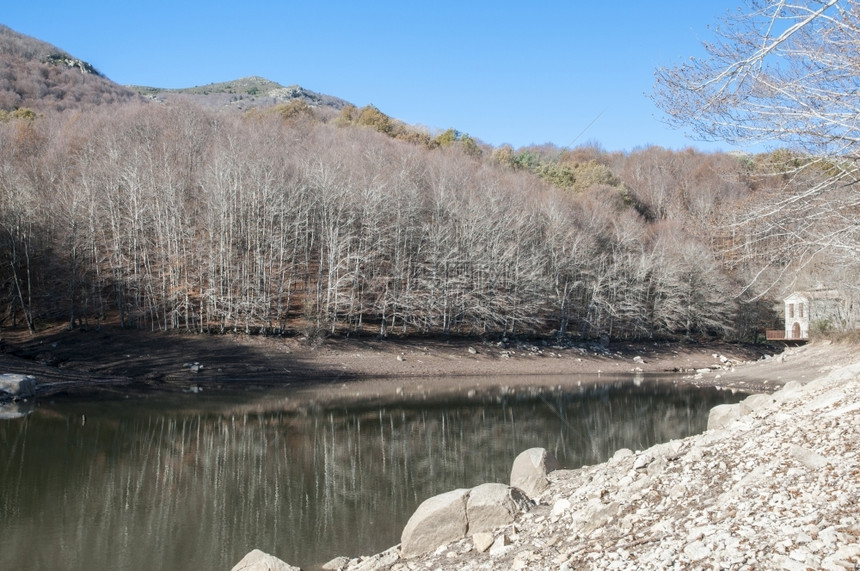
(201, 489)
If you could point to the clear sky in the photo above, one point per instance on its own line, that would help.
(537, 72)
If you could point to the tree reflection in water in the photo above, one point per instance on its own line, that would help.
(149, 485)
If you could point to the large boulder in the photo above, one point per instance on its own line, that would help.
(454, 515)
(437, 521)
(530, 469)
(256, 560)
(491, 506)
(723, 414)
(17, 386)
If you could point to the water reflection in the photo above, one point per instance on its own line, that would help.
(153, 485)
(16, 409)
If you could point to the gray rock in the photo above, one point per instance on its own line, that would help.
(493, 505)
(256, 560)
(596, 515)
(17, 386)
(437, 521)
(530, 469)
(757, 401)
(621, 454)
(723, 414)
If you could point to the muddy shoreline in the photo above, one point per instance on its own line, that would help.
(114, 361)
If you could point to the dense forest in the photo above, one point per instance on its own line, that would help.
(292, 218)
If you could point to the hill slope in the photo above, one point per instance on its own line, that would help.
(37, 75)
(244, 93)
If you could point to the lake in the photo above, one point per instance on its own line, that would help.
(197, 481)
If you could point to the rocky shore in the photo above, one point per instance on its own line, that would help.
(773, 484)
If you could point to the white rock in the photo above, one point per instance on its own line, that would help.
(500, 546)
(560, 507)
(257, 560)
(808, 458)
(696, 551)
(437, 521)
(642, 461)
(530, 469)
(723, 414)
(493, 505)
(482, 541)
(336, 564)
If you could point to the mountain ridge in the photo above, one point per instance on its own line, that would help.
(39, 75)
(249, 91)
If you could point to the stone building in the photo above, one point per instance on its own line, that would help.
(818, 308)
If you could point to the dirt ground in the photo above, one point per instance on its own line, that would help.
(114, 360)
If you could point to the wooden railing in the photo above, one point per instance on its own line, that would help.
(779, 335)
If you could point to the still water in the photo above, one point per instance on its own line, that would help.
(195, 482)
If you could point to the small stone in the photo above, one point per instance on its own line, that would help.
(483, 541)
(642, 461)
(808, 458)
(500, 546)
(560, 507)
(696, 551)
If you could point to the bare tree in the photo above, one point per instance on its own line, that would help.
(784, 73)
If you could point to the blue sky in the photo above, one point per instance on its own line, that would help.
(521, 73)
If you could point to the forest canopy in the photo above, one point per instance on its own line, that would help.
(179, 217)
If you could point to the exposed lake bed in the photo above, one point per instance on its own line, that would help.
(114, 360)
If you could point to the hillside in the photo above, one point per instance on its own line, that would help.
(39, 76)
(244, 93)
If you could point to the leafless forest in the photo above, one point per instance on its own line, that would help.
(178, 216)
